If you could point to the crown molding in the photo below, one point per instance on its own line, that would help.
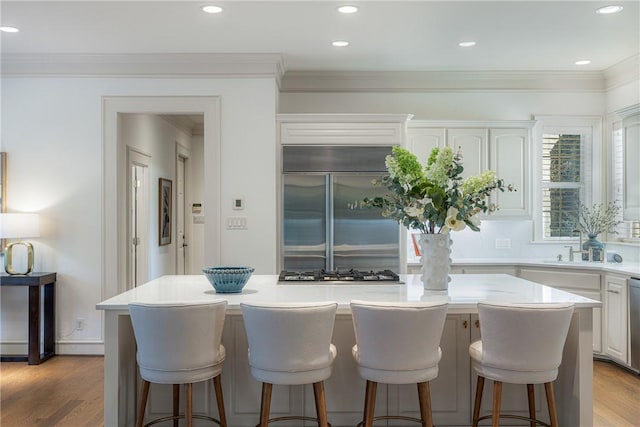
(342, 118)
(442, 81)
(200, 65)
(625, 71)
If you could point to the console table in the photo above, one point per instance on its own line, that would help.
(37, 283)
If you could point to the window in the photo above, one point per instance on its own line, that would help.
(626, 230)
(562, 183)
(564, 173)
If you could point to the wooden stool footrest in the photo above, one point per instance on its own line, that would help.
(178, 417)
(515, 417)
(293, 417)
(392, 417)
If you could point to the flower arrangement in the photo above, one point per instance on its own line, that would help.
(597, 219)
(435, 198)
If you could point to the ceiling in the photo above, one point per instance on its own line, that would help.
(384, 35)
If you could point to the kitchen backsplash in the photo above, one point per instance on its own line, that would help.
(513, 239)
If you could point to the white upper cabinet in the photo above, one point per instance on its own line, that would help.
(342, 129)
(501, 146)
(473, 145)
(509, 158)
(421, 140)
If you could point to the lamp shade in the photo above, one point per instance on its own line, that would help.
(19, 225)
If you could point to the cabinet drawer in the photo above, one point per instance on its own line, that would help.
(563, 279)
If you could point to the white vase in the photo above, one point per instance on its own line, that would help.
(436, 261)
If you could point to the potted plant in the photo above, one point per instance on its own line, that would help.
(435, 199)
(599, 218)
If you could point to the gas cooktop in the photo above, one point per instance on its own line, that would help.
(338, 276)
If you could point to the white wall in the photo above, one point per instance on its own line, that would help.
(52, 132)
(196, 240)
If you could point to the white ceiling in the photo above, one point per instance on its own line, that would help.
(384, 35)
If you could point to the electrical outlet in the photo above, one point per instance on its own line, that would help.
(503, 243)
(80, 323)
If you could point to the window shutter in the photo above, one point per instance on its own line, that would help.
(563, 173)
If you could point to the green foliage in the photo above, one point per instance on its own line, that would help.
(435, 198)
(597, 219)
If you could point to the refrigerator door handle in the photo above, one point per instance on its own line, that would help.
(330, 218)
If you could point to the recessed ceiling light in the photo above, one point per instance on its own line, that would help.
(348, 9)
(583, 62)
(212, 9)
(467, 44)
(606, 10)
(340, 43)
(9, 29)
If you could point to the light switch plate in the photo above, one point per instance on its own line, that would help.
(236, 223)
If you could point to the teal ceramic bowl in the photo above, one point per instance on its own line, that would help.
(228, 280)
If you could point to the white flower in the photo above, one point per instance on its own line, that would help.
(413, 211)
(452, 222)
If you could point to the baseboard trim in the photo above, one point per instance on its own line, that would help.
(66, 347)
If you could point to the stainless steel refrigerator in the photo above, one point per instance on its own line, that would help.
(320, 230)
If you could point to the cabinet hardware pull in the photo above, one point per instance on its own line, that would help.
(465, 324)
(477, 323)
(613, 291)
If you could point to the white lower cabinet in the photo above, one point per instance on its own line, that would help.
(581, 283)
(616, 319)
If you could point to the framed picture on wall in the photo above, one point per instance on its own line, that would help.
(165, 216)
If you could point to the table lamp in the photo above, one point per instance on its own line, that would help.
(18, 226)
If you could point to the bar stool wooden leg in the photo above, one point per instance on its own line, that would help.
(497, 397)
(265, 404)
(424, 395)
(176, 404)
(188, 412)
(478, 401)
(217, 386)
(366, 402)
(321, 405)
(551, 403)
(143, 402)
(370, 403)
(532, 404)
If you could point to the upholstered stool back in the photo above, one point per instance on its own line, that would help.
(398, 343)
(290, 344)
(520, 344)
(179, 344)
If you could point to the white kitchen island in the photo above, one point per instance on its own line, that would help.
(452, 391)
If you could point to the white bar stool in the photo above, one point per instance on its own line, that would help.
(521, 344)
(179, 344)
(398, 343)
(290, 344)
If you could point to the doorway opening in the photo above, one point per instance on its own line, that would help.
(116, 200)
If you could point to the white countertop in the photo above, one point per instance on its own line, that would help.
(465, 291)
(627, 268)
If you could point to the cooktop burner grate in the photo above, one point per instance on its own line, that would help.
(351, 275)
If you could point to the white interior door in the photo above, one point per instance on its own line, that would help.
(138, 228)
(181, 214)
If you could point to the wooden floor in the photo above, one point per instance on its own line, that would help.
(67, 391)
(63, 391)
